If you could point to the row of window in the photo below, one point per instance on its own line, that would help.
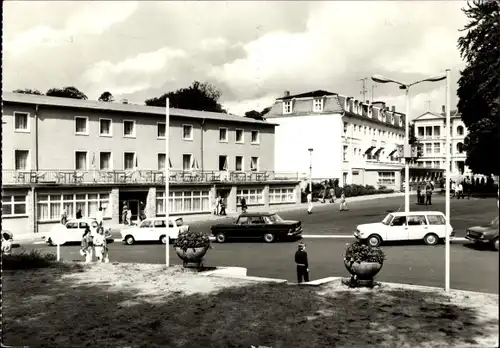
(21, 124)
(50, 207)
(183, 202)
(435, 131)
(358, 153)
(437, 148)
(317, 106)
(386, 178)
(13, 205)
(369, 131)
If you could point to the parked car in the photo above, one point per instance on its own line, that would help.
(71, 232)
(268, 226)
(484, 234)
(154, 229)
(429, 226)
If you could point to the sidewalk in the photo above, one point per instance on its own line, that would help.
(28, 237)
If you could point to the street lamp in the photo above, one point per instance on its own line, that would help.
(310, 169)
(167, 181)
(447, 181)
(407, 150)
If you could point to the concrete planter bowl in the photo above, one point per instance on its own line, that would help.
(192, 256)
(363, 270)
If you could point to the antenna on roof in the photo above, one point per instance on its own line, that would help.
(428, 104)
(363, 88)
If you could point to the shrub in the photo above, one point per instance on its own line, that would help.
(28, 260)
(193, 240)
(381, 187)
(359, 252)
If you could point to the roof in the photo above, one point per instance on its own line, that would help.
(257, 214)
(428, 113)
(120, 107)
(453, 113)
(414, 212)
(313, 94)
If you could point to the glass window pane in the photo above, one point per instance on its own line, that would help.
(177, 205)
(197, 204)
(55, 198)
(187, 204)
(81, 205)
(19, 208)
(19, 198)
(6, 199)
(205, 204)
(80, 197)
(43, 211)
(92, 196)
(104, 196)
(55, 211)
(69, 209)
(160, 208)
(68, 197)
(6, 209)
(93, 207)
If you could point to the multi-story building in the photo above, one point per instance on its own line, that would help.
(79, 154)
(430, 130)
(357, 142)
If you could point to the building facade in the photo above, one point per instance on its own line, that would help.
(354, 141)
(79, 154)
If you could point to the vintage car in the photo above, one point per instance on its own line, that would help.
(71, 232)
(154, 230)
(485, 234)
(268, 226)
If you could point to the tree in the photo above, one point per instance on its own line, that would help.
(66, 92)
(199, 96)
(479, 85)
(27, 91)
(106, 97)
(257, 115)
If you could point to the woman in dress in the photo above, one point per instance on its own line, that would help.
(100, 245)
(86, 245)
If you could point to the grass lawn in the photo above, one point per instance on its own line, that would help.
(133, 305)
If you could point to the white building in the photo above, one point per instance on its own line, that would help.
(352, 141)
(430, 130)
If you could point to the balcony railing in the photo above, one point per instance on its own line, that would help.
(75, 177)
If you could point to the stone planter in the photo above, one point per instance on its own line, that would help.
(364, 271)
(192, 256)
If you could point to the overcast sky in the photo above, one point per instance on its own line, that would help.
(252, 51)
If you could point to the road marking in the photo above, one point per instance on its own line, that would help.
(327, 236)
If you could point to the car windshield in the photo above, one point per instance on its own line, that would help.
(387, 220)
(273, 219)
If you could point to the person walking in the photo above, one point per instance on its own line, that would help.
(99, 216)
(332, 195)
(86, 246)
(222, 208)
(99, 245)
(243, 203)
(302, 264)
(64, 216)
(460, 191)
(453, 189)
(129, 217)
(124, 213)
(309, 203)
(419, 193)
(79, 214)
(343, 202)
(428, 195)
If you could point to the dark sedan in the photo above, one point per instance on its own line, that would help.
(486, 234)
(268, 226)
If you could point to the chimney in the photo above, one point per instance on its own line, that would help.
(124, 101)
(443, 107)
(393, 108)
(287, 93)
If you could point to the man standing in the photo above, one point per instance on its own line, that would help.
(243, 203)
(309, 203)
(332, 195)
(460, 191)
(302, 264)
(99, 216)
(428, 195)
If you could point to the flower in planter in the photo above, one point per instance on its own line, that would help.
(193, 240)
(359, 252)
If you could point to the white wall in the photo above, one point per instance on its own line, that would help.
(296, 134)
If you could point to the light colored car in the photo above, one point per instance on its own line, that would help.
(154, 229)
(429, 226)
(71, 232)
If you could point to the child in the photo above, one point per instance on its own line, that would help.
(100, 245)
(6, 243)
(343, 203)
(86, 245)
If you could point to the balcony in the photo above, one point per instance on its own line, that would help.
(88, 177)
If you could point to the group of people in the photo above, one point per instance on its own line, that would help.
(94, 243)
(425, 197)
(343, 201)
(457, 190)
(220, 206)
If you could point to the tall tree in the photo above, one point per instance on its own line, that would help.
(198, 96)
(66, 92)
(106, 97)
(479, 85)
(257, 115)
(28, 91)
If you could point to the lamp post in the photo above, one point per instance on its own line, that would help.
(447, 182)
(407, 149)
(167, 177)
(310, 169)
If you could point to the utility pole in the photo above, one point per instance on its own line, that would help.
(363, 88)
(373, 87)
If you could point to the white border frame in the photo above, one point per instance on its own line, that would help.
(28, 130)
(133, 161)
(192, 132)
(218, 162)
(86, 133)
(29, 160)
(134, 129)
(258, 164)
(242, 164)
(86, 160)
(162, 153)
(321, 104)
(227, 135)
(285, 102)
(110, 128)
(158, 125)
(190, 162)
(110, 160)
(242, 141)
(258, 137)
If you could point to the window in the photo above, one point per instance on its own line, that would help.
(81, 124)
(255, 137)
(81, 160)
(365, 129)
(13, 205)
(146, 224)
(183, 202)
(21, 122)
(287, 107)
(318, 105)
(21, 158)
(460, 147)
(50, 206)
(437, 131)
(436, 219)
(345, 152)
(105, 160)
(428, 148)
(399, 221)
(386, 178)
(437, 147)
(428, 164)
(161, 129)
(420, 131)
(239, 136)
(282, 195)
(223, 135)
(223, 162)
(105, 127)
(239, 163)
(428, 131)
(129, 128)
(416, 220)
(460, 130)
(186, 161)
(436, 164)
(345, 127)
(254, 164)
(161, 161)
(252, 196)
(128, 160)
(187, 132)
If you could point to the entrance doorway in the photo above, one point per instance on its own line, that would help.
(136, 202)
(224, 194)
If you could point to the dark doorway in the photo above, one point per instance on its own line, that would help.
(136, 201)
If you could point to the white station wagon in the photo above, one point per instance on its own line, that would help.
(154, 229)
(429, 226)
(71, 232)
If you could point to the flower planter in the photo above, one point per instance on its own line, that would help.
(363, 270)
(191, 255)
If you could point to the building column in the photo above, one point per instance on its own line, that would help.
(211, 197)
(265, 193)
(114, 205)
(31, 210)
(150, 209)
(298, 194)
(231, 200)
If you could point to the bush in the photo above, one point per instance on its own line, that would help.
(193, 240)
(358, 252)
(28, 260)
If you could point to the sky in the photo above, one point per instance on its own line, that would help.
(252, 51)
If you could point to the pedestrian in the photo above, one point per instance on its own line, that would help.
(64, 216)
(309, 203)
(468, 188)
(6, 243)
(129, 217)
(343, 202)
(86, 246)
(222, 208)
(79, 214)
(243, 203)
(460, 191)
(100, 245)
(453, 189)
(99, 216)
(428, 195)
(332, 195)
(302, 264)
(124, 213)
(419, 192)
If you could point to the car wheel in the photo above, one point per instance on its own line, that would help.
(163, 239)
(269, 238)
(220, 238)
(431, 239)
(51, 243)
(129, 240)
(495, 244)
(374, 240)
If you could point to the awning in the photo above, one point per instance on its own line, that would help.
(393, 151)
(195, 164)
(370, 149)
(378, 150)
